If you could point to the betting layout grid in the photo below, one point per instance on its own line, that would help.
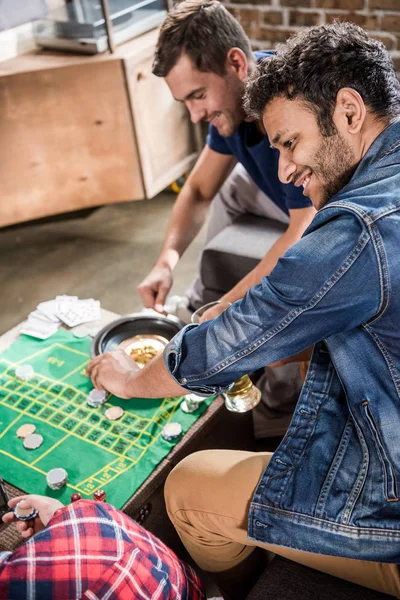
(96, 452)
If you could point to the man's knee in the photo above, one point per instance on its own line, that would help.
(182, 481)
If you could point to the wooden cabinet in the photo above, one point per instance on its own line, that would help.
(166, 138)
(79, 131)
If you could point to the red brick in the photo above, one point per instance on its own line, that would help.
(391, 23)
(272, 17)
(303, 19)
(367, 21)
(249, 18)
(386, 39)
(384, 4)
(344, 4)
(296, 3)
(274, 36)
(246, 16)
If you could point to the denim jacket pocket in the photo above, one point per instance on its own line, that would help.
(390, 490)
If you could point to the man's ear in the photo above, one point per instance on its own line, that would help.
(236, 61)
(350, 111)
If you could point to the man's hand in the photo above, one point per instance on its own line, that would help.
(214, 311)
(112, 371)
(155, 287)
(46, 507)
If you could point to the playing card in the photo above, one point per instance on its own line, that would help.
(81, 311)
(49, 308)
(38, 328)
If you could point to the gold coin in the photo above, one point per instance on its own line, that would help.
(143, 348)
(114, 412)
(26, 430)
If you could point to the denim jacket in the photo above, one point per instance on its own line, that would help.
(332, 486)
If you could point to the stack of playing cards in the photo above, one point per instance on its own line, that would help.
(48, 316)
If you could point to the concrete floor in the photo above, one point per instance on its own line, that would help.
(103, 256)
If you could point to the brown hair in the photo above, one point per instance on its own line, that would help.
(316, 63)
(205, 31)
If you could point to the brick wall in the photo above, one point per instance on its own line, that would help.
(269, 22)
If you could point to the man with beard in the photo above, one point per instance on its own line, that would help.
(328, 497)
(205, 57)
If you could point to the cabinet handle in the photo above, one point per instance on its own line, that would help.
(140, 75)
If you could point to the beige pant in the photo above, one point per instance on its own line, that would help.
(208, 496)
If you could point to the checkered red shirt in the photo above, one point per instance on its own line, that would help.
(91, 551)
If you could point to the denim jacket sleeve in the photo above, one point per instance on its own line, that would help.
(327, 282)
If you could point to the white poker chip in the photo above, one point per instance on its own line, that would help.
(113, 413)
(191, 403)
(33, 441)
(24, 372)
(25, 430)
(171, 431)
(25, 514)
(187, 407)
(97, 396)
(57, 478)
(80, 331)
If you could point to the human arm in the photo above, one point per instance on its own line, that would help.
(188, 216)
(316, 290)
(117, 373)
(300, 219)
(46, 507)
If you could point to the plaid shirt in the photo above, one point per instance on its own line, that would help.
(91, 551)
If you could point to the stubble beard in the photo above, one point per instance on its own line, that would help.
(235, 114)
(335, 164)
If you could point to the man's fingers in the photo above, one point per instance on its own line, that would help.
(147, 294)
(13, 501)
(160, 299)
(8, 517)
(93, 363)
(28, 533)
(22, 525)
(96, 378)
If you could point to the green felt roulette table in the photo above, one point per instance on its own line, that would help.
(128, 458)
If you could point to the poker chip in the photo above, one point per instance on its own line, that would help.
(57, 478)
(80, 331)
(114, 412)
(33, 441)
(171, 431)
(24, 372)
(96, 398)
(25, 514)
(25, 430)
(191, 403)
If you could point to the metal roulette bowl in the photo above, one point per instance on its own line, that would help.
(115, 333)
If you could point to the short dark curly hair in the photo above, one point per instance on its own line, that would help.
(316, 63)
(202, 29)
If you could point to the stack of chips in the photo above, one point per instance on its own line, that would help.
(25, 514)
(24, 372)
(171, 431)
(57, 478)
(96, 398)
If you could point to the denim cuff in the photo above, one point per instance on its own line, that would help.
(172, 358)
